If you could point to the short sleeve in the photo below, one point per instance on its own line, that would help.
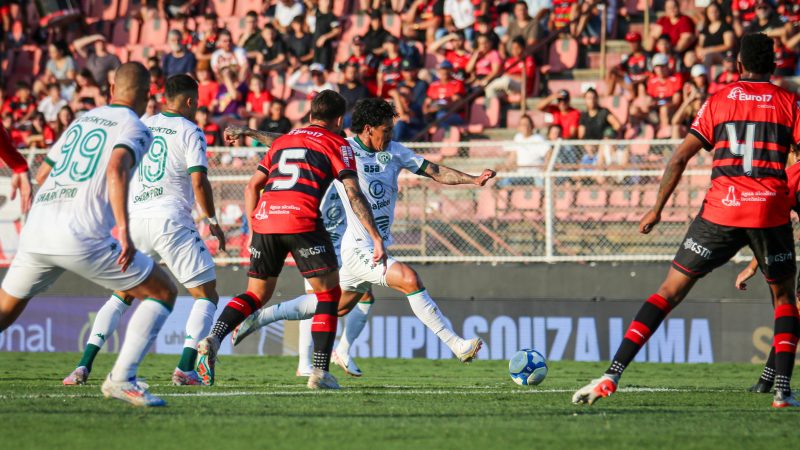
(342, 158)
(703, 127)
(196, 147)
(136, 138)
(264, 164)
(409, 160)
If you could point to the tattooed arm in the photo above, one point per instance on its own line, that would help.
(446, 175)
(363, 211)
(669, 181)
(234, 133)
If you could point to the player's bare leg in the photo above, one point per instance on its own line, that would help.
(10, 309)
(197, 325)
(323, 329)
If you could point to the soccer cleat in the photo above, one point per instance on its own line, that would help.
(304, 372)
(190, 378)
(130, 391)
(246, 328)
(347, 364)
(322, 379)
(474, 346)
(784, 400)
(761, 387)
(207, 359)
(78, 376)
(599, 388)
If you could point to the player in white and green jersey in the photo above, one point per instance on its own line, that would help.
(380, 162)
(160, 202)
(69, 227)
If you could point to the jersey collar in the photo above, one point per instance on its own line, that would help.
(363, 145)
(169, 114)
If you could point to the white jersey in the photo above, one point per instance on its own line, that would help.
(71, 213)
(162, 187)
(333, 216)
(377, 176)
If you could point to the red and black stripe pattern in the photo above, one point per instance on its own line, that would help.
(647, 320)
(785, 344)
(234, 313)
(323, 326)
(769, 154)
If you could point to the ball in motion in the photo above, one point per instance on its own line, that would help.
(528, 367)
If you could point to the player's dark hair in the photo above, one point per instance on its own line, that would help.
(180, 85)
(327, 106)
(371, 111)
(757, 53)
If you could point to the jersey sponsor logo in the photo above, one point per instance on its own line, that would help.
(261, 213)
(384, 157)
(779, 258)
(311, 251)
(316, 134)
(59, 192)
(693, 246)
(730, 199)
(381, 204)
(739, 94)
(255, 252)
(162, 130)
(334, 214)
(383, 223)
(148, 193)
(372, 168)
(347, 155)
(702, 110)
(376, 189)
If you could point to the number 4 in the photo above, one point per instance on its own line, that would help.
(745, 149)
(290, 169)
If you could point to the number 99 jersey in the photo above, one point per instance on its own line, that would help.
(751, 127)
(71, 212)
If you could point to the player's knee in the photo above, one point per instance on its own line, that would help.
(410, 280)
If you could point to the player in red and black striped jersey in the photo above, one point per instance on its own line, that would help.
(750, 125)
(294, 176)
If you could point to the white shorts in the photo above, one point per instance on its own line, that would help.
(358, 273)
(181, 248)
(32, 273)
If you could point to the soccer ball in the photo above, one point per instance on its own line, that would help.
(527, 367)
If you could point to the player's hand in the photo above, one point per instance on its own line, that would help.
(485, 176)
(127, 250)
(379, 255)
(21, 182)
(233, 133)
(743, 276)
(217, 232)
(649, 221)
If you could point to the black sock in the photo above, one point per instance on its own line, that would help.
(647, 320)
(768, 375)
(323, 326)
(234, 313)
(785, 344)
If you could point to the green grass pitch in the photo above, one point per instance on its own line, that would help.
(403, 404)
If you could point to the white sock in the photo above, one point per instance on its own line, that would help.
(354, 324)
(106, 321)
(426, 310)
(305, 345)
(200, 320)
(300, 308)
(143, 328)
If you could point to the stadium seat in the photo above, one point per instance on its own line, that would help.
(432, 60)
(235, 25)
(527, 199)
(487, 204)
(357, 25)
(154, 33)
(618, 105)
(223, 8)
(140, 53)
(245, 6)
(125, 32)
(393, 24)
(590, 202)
(297, 109)
(564, 202)
(620, 203)
(276, 85)
(101, 9)
(486, 114)
(563, 55)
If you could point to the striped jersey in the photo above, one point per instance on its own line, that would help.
(750, 126)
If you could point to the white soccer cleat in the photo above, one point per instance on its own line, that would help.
(347, 364)
(78, 376)
(470, 351)
(190, 378)
(130, 391)
(598, 388)
(322, 379)
(783, 400)
(304, 372)
(246, 328)
(207, 359)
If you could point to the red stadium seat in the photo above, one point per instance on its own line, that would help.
(245, 6)
(125, 32)
(140, 53)
(101, 9)
(393, 24)
(297, 109)
(590, 202)
(223, 8)
(620, 203)
(531, 199)
(235, 25)
(486, 114)
(564, 203)
(154, 33)
(563, 55)
(487, 204)
(618, 105)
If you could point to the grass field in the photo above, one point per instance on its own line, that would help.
(404, 404)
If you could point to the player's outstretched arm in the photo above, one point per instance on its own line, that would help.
(446, 175)
(669, 181)
(234, 133)
(362, 210)
(746, 274)
(205, 198)
(117, 178)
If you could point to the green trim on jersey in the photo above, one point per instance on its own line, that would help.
(363, 145)
(169, 114)
(422, 167)
(130, 150)
(198, 169)
(113, 105)
(49, 161)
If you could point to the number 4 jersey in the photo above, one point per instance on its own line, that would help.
(162, 186)
(71, 213)
(751, 127)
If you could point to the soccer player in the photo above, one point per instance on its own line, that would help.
(69, 228)
(162, 195)
(751, 126)
(294, 175)
(21, 178)
(380, 161)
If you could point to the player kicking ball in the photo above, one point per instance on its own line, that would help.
(69, 227)
(751, 126)
(380, 161)
(292, 180)
(162, 195)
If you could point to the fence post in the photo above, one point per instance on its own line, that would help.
(548, 202)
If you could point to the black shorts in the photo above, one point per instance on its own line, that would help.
(708, 246)
(313, 252)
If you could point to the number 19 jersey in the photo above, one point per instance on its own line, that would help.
(162, 187)
(71, 213)
(750, 126)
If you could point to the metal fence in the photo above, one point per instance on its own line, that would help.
(583, 204)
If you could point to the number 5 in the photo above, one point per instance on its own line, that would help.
(745, 149)
(289, 169)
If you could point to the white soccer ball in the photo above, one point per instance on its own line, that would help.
(528, 367)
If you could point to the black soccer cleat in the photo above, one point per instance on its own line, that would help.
(761, 387)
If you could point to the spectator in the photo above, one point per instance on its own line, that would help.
(17, 137)
(285, 12)
(153, 108)
(63, 120)
(153, 62)
(273, 55)
(60, 68)
(418, 89)
(210, 129)
(729, 74)
(595, 121)
(251, 40)
(694, 94)
(409, 99)
(679, 28)
(785, 59)
(300, 43)
(632, 72)
(789, 11)
(98, 60)
(485, 26)
(310, 86)
(228, 56)
(157, 84)
(176, 9)
(178, 60)
(716, 38)
(442, 95)
(42, 136)
(562, 114)
(588, 24)
(376, 35)
(258, 99)
(458, 15)
(485, 63)
(352, 90)
(21, 106)
(743, 11)
(389, 68)
(664, 46)
(207, 88)
(425, 16)
(516, 73)
(457, 54)
(766, 21)
(326, 31)
(50, 105)
(561, 15)
(230, 97)
(207, 36)
(664, 90)
(276, 121)
(520, 25)
(529, 158)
